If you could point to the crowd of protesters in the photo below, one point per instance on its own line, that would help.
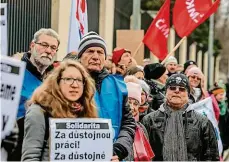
(150, 106)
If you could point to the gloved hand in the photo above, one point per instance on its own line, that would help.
(10, 141)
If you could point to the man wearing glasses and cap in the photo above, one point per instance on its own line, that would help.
(176, 131)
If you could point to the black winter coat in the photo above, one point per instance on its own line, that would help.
(200, 136)
(158, 95)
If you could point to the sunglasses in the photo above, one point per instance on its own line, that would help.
(174, 88)
(195, 77)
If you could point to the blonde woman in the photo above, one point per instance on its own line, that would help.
(66, 93)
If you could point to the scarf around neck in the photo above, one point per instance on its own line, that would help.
(174, 147)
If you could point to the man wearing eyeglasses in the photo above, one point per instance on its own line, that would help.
(43, 49)
(176, 131)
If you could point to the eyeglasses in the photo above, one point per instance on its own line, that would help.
(195, 77)
(70, 81)
(45, 46)
(174, 88)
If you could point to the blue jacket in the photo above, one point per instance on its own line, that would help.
(112, 103)
(32, 79)
(109, 101)
(30, 83)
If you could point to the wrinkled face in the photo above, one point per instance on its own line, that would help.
(143, 98)
(194, 81)
(172, 67)
(220, 97)
(71, 84)
(164, 77)
(44, 50)
(134, 105)
(176, 96)
(126, 59)
(93, 59)
(139, 75)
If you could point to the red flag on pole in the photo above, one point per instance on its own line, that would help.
(189, 14)
(157, 35)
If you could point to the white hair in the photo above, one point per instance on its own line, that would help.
(46, 31)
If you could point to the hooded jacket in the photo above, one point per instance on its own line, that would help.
(199, 132)
(111, 102)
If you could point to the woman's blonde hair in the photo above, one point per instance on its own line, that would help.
(49, 96)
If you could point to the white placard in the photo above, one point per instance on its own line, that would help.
(3, 23)
(12, 75)
(81, 139)
(205, 107)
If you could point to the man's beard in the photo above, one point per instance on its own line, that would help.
(42, 61)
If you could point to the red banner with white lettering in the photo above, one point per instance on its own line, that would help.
(189, 14)
(157, 35)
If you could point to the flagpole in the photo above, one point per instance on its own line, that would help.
(174, 49)
(136, 51)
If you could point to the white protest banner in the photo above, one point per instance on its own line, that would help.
(81, 139)
(3, 23)
(12, 75)
(205, 107)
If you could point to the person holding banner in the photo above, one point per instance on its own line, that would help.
(66, 93)
(176, 131)
(43, 49)
(111, 94)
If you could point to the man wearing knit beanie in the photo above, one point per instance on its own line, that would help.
(156, 76)
(111, 94)
(177, 131)
(171, 65)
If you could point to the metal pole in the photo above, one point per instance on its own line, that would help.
(210, 51)
(136, 14)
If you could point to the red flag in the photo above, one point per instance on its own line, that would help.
(188, 14)
(157, 35)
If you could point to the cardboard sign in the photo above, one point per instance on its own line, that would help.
(130, 39)
(81, 139)
(3, 24)
(12, 75)
(205, 108)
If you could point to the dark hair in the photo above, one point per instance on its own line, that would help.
(133, 70)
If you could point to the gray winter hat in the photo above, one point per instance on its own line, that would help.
(91, 39)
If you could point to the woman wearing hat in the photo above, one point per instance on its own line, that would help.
(196, 79)
(141, 143)
(219, 94)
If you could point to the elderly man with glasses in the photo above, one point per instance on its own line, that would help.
(43, 49)
(176, 131)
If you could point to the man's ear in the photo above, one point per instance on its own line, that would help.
(32, 44)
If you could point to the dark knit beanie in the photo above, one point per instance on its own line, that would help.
(154, 71)
(188, 63)
(91, 39)
(178, 80)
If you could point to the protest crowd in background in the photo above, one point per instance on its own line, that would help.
(156, 111)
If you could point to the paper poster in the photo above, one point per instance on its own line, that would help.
(12, 75)
(205, 107)
(130, 39)
(3, 23)
(81, 140)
